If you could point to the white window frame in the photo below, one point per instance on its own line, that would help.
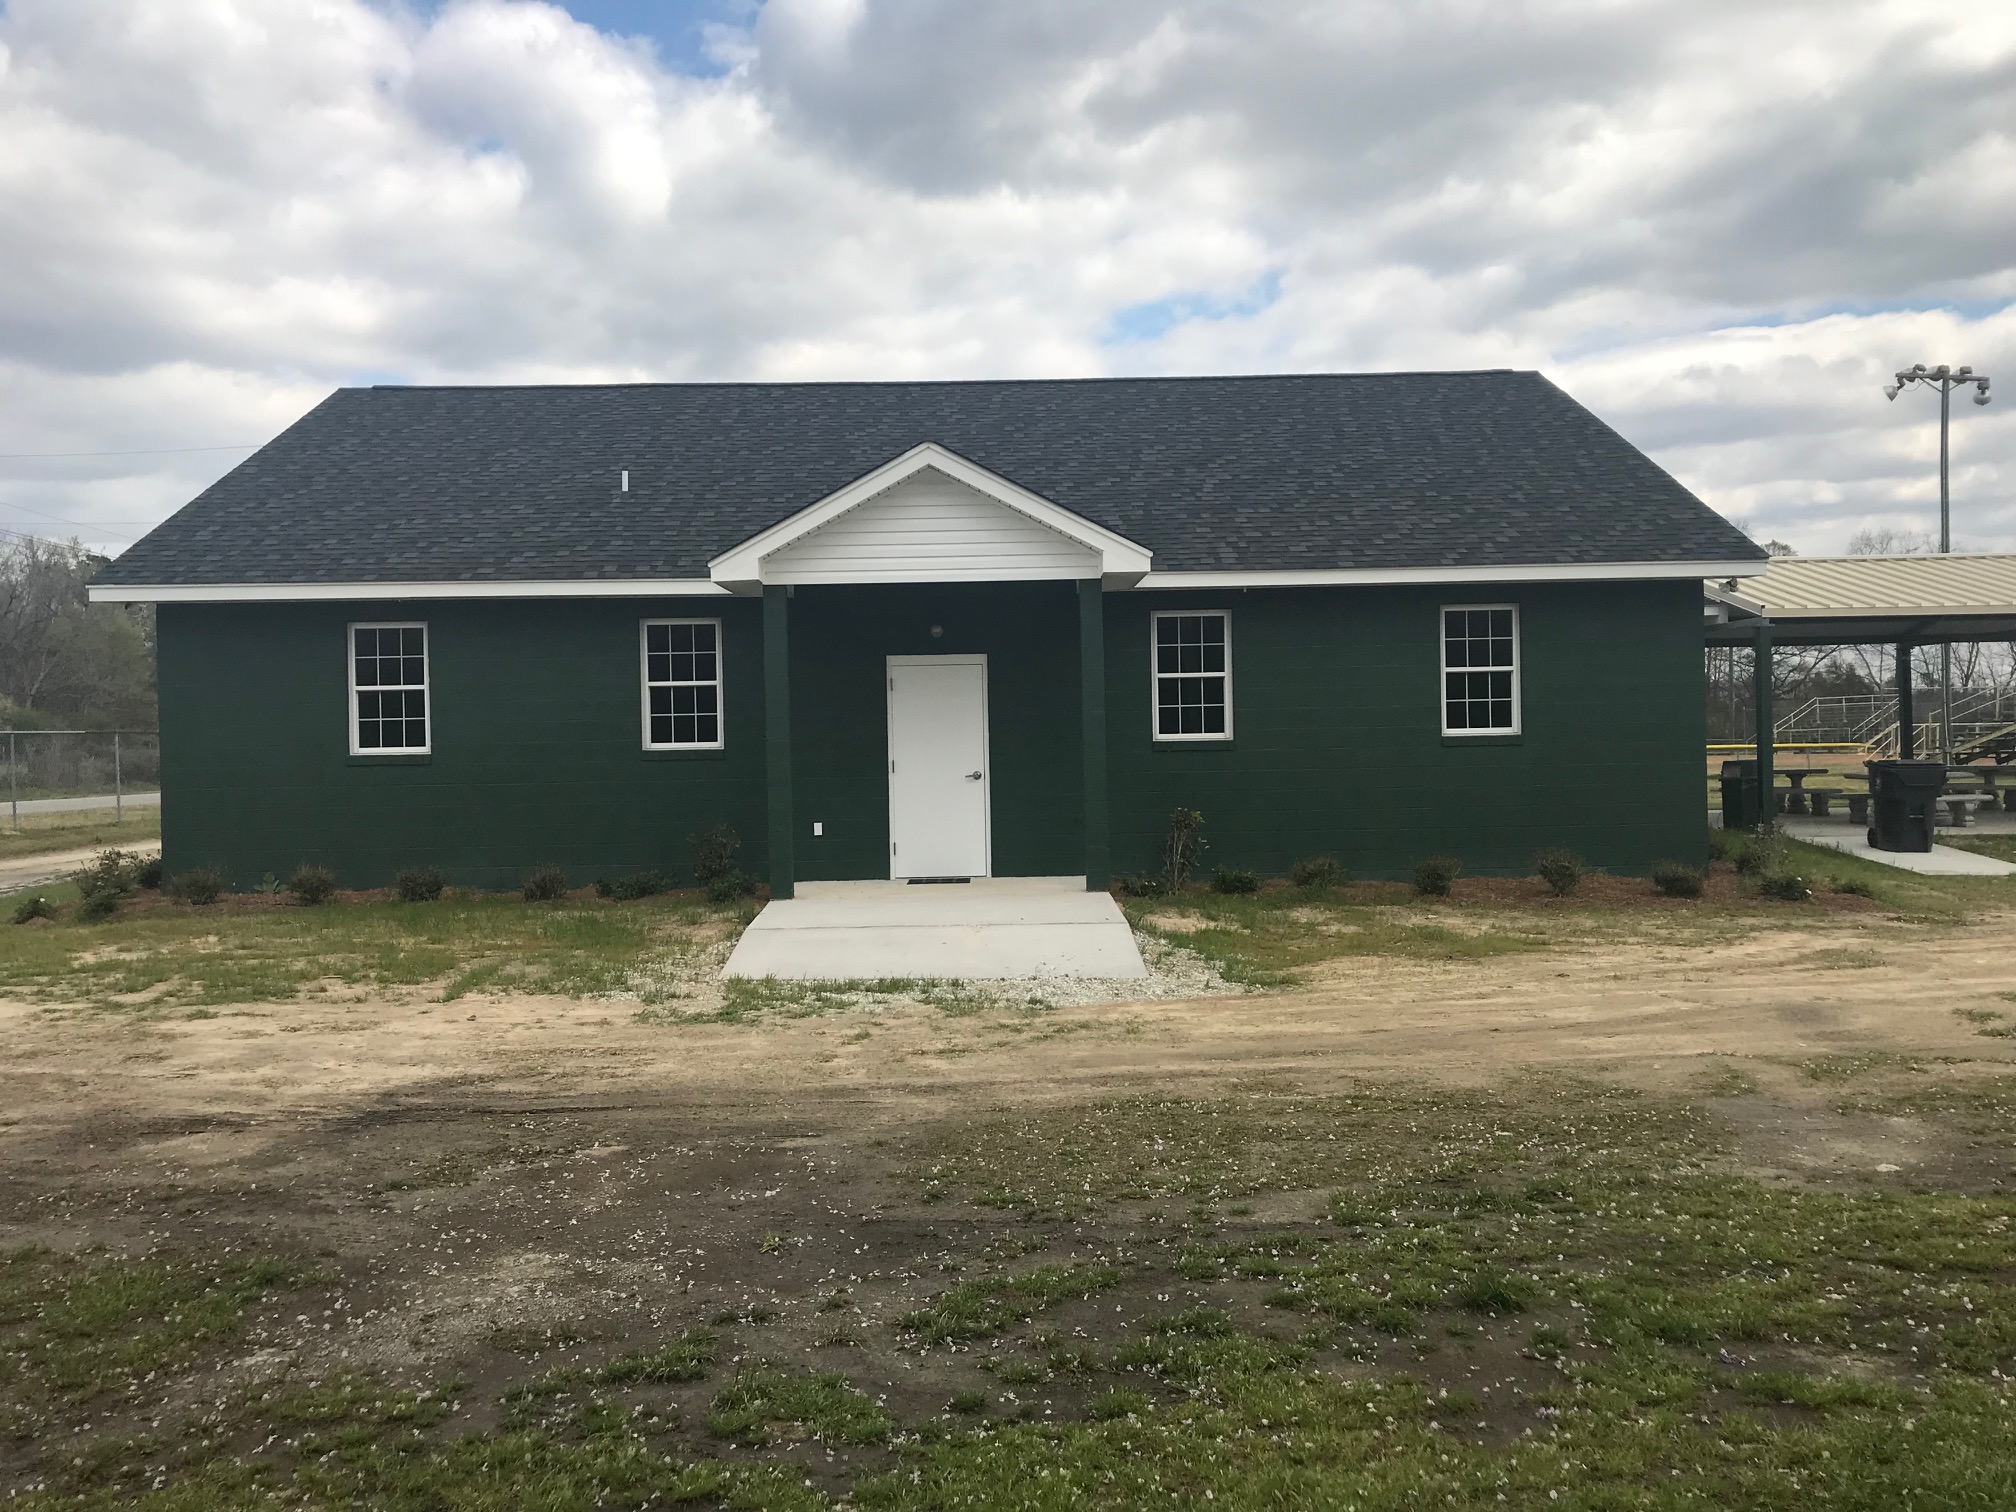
(1156, 674)
(645, 685)
(426, 686)
(1442, 682)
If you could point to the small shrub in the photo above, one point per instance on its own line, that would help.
(111, 871)
(1761, 853)
(1144, 885)
(148, 874)
(1317, 871)
(1434, 876)
(1786, 887)
(729, 886)
(544, 883)
(1723, 844)
(1235, 879)
(312, 884)
(1561, 870)
(97, 906)
(419, 884)
(201, 885)
(645, 884)
(30, 909)
(714, 853)
(1855, 887)
(1676, 879)
(1181, 847)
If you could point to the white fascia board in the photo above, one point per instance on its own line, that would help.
(744, 563)
(1373, 577)
(297, 593)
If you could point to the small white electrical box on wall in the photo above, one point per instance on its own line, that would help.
(818, 828)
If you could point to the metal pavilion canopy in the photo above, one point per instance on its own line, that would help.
(1869, 600)
(1899, 601)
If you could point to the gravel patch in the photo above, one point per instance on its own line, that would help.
(687, 986)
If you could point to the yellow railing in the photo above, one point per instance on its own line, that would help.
(1793, 745)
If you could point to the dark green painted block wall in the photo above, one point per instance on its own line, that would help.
(1339, 748)
(536, 737)
(840, 717)
(536, 744)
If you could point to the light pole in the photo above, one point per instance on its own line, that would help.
(1945, 380)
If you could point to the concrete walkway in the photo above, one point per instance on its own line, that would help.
(987, 928)
(1940, 861)
(78, 805)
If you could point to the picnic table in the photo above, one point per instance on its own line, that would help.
(1795, 799)
(1989, 793)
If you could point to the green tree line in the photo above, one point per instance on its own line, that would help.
(66, 663)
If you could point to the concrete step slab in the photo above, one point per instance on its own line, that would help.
(990, 928)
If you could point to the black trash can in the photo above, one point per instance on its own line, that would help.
(1740, 803)
(1902, 795)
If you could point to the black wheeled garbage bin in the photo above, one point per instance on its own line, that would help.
(1901, 798)
(1740, 804)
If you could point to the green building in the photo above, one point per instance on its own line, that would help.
(934, 629)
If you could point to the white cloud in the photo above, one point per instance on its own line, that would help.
(1720, 224)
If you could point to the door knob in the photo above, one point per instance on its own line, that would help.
(972, 776)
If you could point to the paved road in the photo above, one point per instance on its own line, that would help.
(73, 805)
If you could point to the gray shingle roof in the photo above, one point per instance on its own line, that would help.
(389, 484)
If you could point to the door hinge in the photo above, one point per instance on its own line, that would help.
(892, 766)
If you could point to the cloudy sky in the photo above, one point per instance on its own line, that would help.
(1718, 222)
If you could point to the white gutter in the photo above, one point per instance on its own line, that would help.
(1372, 577)
(282, 593)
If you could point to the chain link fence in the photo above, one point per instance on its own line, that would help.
(55, 769)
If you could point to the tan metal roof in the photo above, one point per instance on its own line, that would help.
(1884, 587)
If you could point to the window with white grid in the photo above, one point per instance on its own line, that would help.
(1480, 669)
(388, 690)
(682, 685)
(1193, 674)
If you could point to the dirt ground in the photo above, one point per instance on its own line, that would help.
(500, 1186)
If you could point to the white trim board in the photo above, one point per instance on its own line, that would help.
(1320, 577)
(264, 593)
(1372, 577)
(742, 567)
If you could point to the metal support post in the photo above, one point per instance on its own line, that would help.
(118, 785)
(1766, 777)
(1907, 713)
(13, 782)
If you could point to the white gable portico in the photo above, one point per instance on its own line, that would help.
(931, 516)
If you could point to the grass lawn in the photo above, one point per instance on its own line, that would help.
(162, 955)
(1549, 1294)
(42, 833)
(165, 955)
(1269, 938)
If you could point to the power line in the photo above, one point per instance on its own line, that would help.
(145, 451)
(74, 524)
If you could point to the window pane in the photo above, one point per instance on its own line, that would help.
(682, 675)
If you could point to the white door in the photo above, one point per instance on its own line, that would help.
(938, 772)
